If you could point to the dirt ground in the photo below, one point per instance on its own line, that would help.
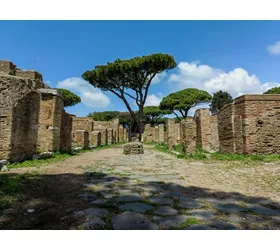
(60, 190)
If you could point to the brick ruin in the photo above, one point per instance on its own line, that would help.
(33, 120)
(251, 125)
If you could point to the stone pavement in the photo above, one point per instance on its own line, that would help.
(133, 193)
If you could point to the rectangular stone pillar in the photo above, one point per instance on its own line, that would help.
(121, 134)
(188, 135)
(66, 132)
(80, 138)
(115, 127)
(95, 138)
(51, 108)
(155, 134)
(171, 133)
(202, 118)
(161, 133)
(125, 135)
(109, 136)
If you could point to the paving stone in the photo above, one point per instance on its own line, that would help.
(222, 225)
(185, 202)
(230, 208)
(95, 223)
(99, 202)
(199, 227)
(203, 214)
(107, 195)
(129, 198)
(263, 210)
(87, 196)
(165, 210)
(92, 212)
(132, 221)
(126, 192)
(160, 200)
(149, 188)
(276, 219)
(136, 207)
(170, 222)
(247, 218)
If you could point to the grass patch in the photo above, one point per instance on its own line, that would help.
(12, 186)
(187, 223)
(56, 157)
(217, 156)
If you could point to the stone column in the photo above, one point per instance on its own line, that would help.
(80, 138)
(115, 127)
(66, 132)
(109, 135)
(51, 108)
(188, 135)
(161, 133)
(121, 133)
(95, 138)
(171, 133)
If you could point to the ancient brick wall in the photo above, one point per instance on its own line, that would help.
(121, 133)
(7, 67)
(65, 132)
(80, 138)
(171, 133)
(161, 138)
(109, 135)
(148, 133)
(83, 123)
(19, 113)
(226, 129)
(51, 108)
(104, 134)
(29, 74)
(95, 138)
(189, 135)
(125, 135)
(178, 133)
(214, 146)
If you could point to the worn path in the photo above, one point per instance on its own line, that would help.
(158, 191)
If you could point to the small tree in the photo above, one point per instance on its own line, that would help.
(69, 98)
(182, 101)
(154, 113)
(275, 90)
(104, 116)
(220, 99)
(130, 79)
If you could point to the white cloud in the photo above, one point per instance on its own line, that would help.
(237, 82)
(152, 100)
(159, 77)
(90, 96)
(274, 49)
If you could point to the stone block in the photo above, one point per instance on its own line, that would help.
(133, 148)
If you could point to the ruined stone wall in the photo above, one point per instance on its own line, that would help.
(226, 129)
(125, 135)
(83, 123)
(109, 136)
(161, 138)
(19, 113)
(214, 133)
(121, 133)
(259, 118)
(80, 138)
(95, 138)
(65, 132)
(148, 133)
(104, 133)
(51, 108)
(189, 135)
(178, 133)
(171, 133)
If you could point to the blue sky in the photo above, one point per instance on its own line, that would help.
(236, 56)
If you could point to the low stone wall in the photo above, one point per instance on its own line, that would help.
(250, 125)
(95, 138)
(80, 138)
(66, 132)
